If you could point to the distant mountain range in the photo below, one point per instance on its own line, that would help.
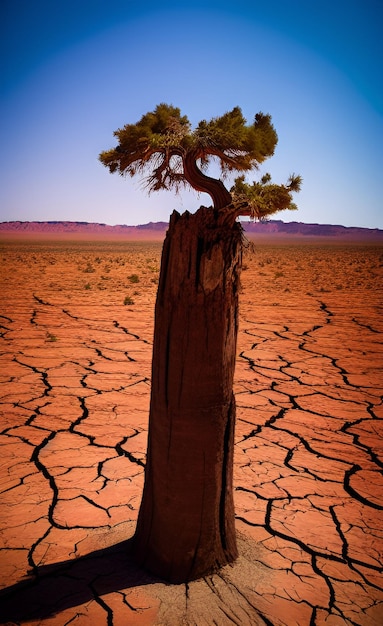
(157, 230)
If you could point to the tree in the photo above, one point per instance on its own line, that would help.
(185, 526)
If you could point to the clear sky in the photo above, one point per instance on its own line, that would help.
(73, 71)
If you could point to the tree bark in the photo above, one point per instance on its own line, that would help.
(185, 526)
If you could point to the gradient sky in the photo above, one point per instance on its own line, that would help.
(73, 71)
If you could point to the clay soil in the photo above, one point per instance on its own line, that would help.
(76, 339)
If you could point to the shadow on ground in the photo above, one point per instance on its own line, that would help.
(51, 589)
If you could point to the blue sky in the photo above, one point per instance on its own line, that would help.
(75, 71)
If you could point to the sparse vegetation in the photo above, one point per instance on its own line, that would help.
(134, 278)
(51, 337)
(336, 266)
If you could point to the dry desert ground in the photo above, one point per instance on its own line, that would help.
(76, 340)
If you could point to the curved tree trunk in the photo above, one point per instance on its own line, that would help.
(215, 188)
(185, 527)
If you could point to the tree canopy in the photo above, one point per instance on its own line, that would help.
(165, 149)
(264, 198)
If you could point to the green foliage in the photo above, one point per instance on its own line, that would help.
(141, 144)
(264, 197)
(163, 138)
(163, 146)
(128, 300)
(240, 147)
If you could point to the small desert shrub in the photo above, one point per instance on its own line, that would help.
(128, 300)
(279, 274)
(89, 268)
(87, 286)
(51, 337)
(134, 278)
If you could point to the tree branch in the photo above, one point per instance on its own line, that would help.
(215, 188)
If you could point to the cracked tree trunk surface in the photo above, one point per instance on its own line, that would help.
(185, 527)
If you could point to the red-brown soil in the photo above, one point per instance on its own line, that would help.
(77, 326)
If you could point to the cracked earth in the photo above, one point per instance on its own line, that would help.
(76, 338)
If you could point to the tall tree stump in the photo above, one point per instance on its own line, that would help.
(185, 526)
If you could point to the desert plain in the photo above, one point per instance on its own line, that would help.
(76, 322)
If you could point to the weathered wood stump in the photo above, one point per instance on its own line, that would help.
(185, 527)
